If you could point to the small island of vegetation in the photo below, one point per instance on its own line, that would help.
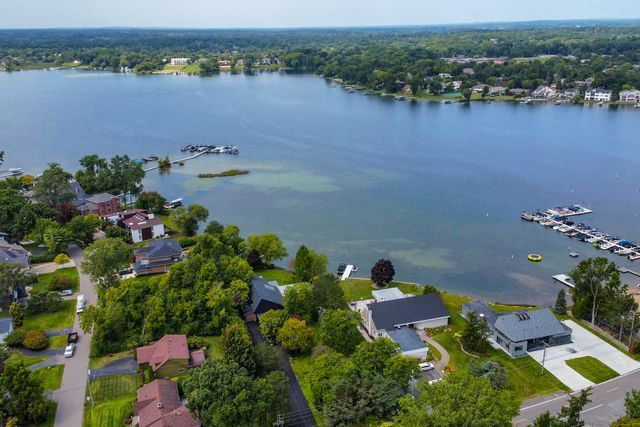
(230, 172)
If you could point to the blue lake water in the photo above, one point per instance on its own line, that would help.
(436, 188)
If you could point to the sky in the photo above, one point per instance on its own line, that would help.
(297, 13)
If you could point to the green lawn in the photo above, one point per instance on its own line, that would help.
(59, 341)
(170, 223)
(16, 357)
(99, 362)
(283, 277)
(214, 348)
(504, 308)
(359, 289)
(45, 279)
(50, 376)
(113, 400)
(592, 369)
(58, 320)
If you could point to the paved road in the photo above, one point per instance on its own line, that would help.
(607, 402)
(71, 395)
(300, 415)
(124, 366)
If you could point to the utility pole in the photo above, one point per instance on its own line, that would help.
(633, 321)
(90, 392)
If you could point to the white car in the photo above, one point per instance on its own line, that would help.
(426, 366)
(66, 293)
(68, 351)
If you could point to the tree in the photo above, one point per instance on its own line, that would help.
(13, 276)
(491, 370)
(309, 264)
(62, 259)
(44, 301)
(115, 232)
(22, 395)
(254, 259)
(401, 370)
(237, 346)
(429, 289)
(35, 340)
(52, 187)
(151, 201)
(17, 313)
(267, 358)
(570, 414)
(214, 228)
(466, 94)
(104, 258)
(475, 336)
(592, 278)
(327, 292)
(298, 300)
(83, 227)
(296, 336)
(460, 399)
(561, 303)
(372, 357)
(271, 322)
(187, 219)
(94, 175)
(57, 238)
(632, 404)
(269, 246)
(339, 330)
(126, 175)
(209, 66)
(382, 273)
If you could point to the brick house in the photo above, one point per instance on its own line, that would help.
(101, 204)
(157, 257)
(169, 357)
(158, 405)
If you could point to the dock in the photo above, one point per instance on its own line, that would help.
(11, 172)
(173, 162)
(564, 279)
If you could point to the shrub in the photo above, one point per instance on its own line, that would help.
(197, 342)
(44, 257)
(635, 347)
(186, 242)
(15, 338)
(62, 259)
(35, 340)
(60, 283)
(44, 302)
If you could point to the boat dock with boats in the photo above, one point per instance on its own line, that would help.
(11, 172)
(210, 149)
(560, 219)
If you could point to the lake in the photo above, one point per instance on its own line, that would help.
(436, 188)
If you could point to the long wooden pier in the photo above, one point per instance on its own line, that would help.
(173, 162)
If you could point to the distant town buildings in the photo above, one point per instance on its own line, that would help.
(598, 95)
(544, 92)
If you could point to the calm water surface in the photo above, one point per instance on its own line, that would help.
(436, 188)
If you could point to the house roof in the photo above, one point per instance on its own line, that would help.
(527, 325)
(101, 198)
(389, 314)
(167, 348)
(406, 338)
(141, 220)
(481, 310)
(261, 290)
(6, 325)
(387, 294)
(160, 248)
(158, 405)
(10, 252)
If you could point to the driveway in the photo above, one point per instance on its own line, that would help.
(125, 366)
(71, 395)
(584, 344)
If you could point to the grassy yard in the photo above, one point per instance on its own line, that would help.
(99, 362)
(283, 277)
(45, 279)
(214, 349)
(59, 341)
(50, 377)
(16, 357)
(170, 223)
(58, 320)
(504, 308)
(592, 369)
(113, 399)
(360, 289)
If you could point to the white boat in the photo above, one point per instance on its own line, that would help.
(15, 171)
(606, 246)
(623, 251)
(634, 256)
(593, 239)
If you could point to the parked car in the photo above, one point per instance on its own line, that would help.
(66, 293)
(80, 304)
(72, 338)
(68, 351)
(426, 366)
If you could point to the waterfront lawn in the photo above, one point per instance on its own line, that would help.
(505, 308)
(100, 362)
(113, 400)
(592, 369)
(170, 223)
(49, 376)
(283, 277)
(57, 320)
(360, 289)
(45, 279)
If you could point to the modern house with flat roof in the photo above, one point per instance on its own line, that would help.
(601, 95)
(521, 331)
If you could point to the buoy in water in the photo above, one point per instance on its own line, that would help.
(534, 257)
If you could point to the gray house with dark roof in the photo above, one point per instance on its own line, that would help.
(265, 296)
(14, 253)
(418, 312)
(521, 331)
(157, 257)
(410, 344)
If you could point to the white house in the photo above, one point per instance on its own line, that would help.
(456, 85)
(544, 92)
(142, 225)
(630, 96)
(598, 95)
(444, 75)
(179, 61)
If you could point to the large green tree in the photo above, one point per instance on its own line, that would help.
(83, 227)
(52, 187)
(309, 264)
(104, 258)
(327, 292)
(269, 246)
(271, 322)
(151, 201)
(296, 336)
(372, 357)
(237, 346)
(22, 395)
(339, 330)
(595, 279)
(475, 335)
(298, 300)
(187, 219)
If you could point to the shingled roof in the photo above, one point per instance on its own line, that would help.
(166, 348)
(404, 311)
(261, 290)
(160, 248)
(158, 405)
(528, 325)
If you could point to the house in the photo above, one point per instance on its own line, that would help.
(265, 296)
(179, 61)
(157, 257)
(456, 85)
(468, 71)
(444, 76)
(519, 92)
(224, 63)
(10, 252)
(501, 60)
(478, 88)
(158, 405)
(6, 327)
(101, 204)
(169, 357)
(388, 294)
(417, 312)
(497, 90)
(5, 236)
(406, 89)
(630, 96)
(410, 344)
(570, 94)
(544, 92)
(266, 61)
(522, 331)
(240, 63)
(141, 225)
(598, 95)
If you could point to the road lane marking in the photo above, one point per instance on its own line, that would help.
(613, 389)
(521, 420)
(591, 409)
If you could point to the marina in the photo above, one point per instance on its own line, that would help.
(560, 219)
(210, 149)
(11, 172)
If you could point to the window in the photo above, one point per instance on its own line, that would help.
(181, 370)
(518, 348)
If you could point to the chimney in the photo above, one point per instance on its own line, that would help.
(151, 216)
(160, 405)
